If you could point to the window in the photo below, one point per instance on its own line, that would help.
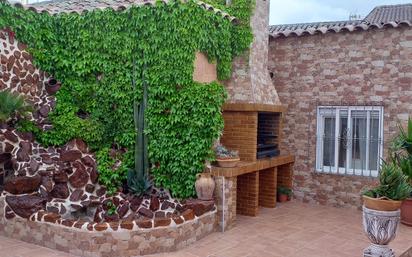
(31, 1)
(349, 140)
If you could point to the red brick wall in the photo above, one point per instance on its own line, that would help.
(268, 187)
(240, 133)
(248, 194)
(360, 68)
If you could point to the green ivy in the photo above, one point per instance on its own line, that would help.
(92, 55)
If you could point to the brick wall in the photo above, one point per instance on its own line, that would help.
(285, 175)
(360, 68)
(248, 194)
(240, 133)
(267, 187)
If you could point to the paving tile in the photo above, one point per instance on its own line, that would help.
(292, 229)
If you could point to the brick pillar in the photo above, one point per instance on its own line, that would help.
(285, 175)
(225, 195)
(268, 187)
(248, 194)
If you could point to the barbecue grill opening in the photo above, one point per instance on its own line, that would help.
(268, 134)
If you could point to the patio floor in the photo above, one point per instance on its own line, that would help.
(291, 230)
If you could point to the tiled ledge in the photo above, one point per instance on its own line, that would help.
(252, 107)
(247, 167)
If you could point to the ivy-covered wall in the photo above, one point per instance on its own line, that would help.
(98, 54)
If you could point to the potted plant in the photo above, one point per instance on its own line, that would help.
(284, 194)
(401, 153)
(226, 158)
(381, 209)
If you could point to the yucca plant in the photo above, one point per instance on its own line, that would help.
(12, 106)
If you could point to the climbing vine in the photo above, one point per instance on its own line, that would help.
(92, 55)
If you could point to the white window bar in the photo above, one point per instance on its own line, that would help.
(349, 140)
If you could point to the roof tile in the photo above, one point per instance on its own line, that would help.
(55, 7)
(381, 16)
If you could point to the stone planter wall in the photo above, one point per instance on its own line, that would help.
(123, 242)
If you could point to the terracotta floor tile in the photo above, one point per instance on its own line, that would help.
(291, 230)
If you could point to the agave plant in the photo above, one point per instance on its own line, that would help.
(401, 150)
(12, 106)
(393, 184)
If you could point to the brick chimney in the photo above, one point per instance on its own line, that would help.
(250, 81)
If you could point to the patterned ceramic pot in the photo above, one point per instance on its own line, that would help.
(380, 227)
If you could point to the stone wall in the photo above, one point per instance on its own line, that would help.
(359, 68)
(225, 195)
(119, 242)
(19, 75)
(52, 197)
(250, 81)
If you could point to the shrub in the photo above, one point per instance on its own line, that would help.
(12, 106)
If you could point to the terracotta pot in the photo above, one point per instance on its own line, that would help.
(205, 186)
(52, 86)
(282, 198)
(406, 212)
(381, 204)
(227, 163)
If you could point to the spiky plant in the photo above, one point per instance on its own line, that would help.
(393, 185)
(12, 106)
(401, 150)
(138, 179)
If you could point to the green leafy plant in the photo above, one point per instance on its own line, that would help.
(24, 125)
(111, 208)
(393, 184)
(111, 174)
(223, 153)
(94, 54)
(12, 106)
(284, 191)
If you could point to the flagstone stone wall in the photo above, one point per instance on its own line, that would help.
(358, 68)
(120, 242)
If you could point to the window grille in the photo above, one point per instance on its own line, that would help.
(349, 140)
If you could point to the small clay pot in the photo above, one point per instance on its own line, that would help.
(406, 212)
(52, 86)
(381, 204)
(228, 163)
(282, 198)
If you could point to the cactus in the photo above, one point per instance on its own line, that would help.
(138, 179)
